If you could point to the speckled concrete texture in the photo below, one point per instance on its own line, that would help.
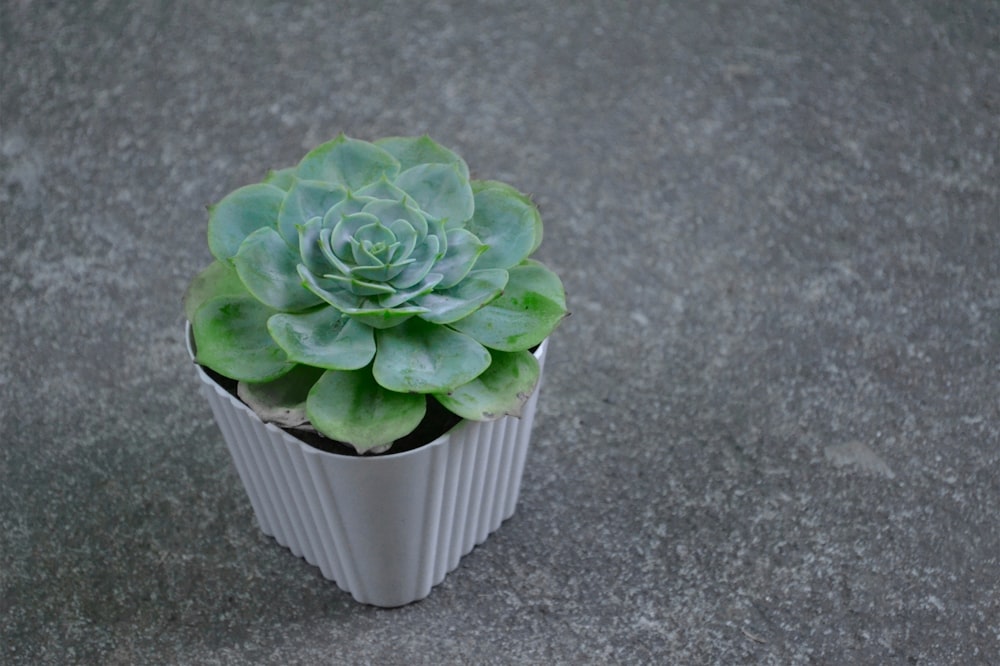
(770, 431)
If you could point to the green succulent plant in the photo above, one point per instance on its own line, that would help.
(347, 289)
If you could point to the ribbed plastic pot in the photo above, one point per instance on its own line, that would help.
(384, 528)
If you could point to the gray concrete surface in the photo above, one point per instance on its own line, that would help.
(770, 432)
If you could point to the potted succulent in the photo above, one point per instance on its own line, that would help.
(370, 337)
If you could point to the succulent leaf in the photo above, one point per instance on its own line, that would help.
(424, 257)
(382, 189)
(371, 244)
(324, 338)
(411, 151)
(476, 290)
(345, 230)
(440, 190)
(401, 296)
(283, 179)
(502, 389)
(348, 162)
(351, 407)
(310, 249)
(463, 250)
(305, 200)
(218, 279)
(380, 317)
(281, 401)
(407, 237)
(230, 336)
(507, 222)
(352, 204)
(390, 211)
(361, 287)
(334, 262)
(532, 305)
(420, 357)
(268, 268)
(239, 214)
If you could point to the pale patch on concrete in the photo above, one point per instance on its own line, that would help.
(858, 454)
(639, 318)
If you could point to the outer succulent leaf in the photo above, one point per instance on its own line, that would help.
(305, 200)
(230, 336)
(502, 389)
(269, 269)
(472, 293)
(324, 338)
(239, 214)
(420, 357)
(507, 222)
(283, 400)
(283, 179)
(218, 279)
(463, 250)
(349, 162)
(411, 151)
(350, 407)
(440, 190)
(532, 305)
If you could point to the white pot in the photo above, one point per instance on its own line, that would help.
(384, 528)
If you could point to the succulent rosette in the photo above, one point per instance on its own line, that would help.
(347, 289)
